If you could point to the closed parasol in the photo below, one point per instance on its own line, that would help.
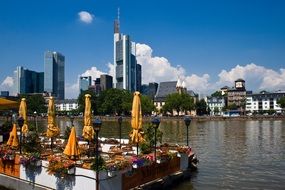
(88, 131)
(13, 139)
(137, 133)
(71, 149)
(23, 114)
(52, 129)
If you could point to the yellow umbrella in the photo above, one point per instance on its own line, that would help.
(52, 130)
(88, 131)
(23, 114)
(13, 139)
(7, 104)
(71, 149)
(136, 134)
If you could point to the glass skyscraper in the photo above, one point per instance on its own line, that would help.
(27, 81)
(54, 74)
(84, 83)
(127, 75)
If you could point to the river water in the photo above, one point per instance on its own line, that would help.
(232, 154)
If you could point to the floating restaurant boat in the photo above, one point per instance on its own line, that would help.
(124, 170)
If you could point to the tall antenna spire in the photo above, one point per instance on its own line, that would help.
(117, 23)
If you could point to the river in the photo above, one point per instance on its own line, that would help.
(247, 154)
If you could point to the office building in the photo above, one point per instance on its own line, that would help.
(106, 82)
(27, 81)
(127, 72)
(84, 83)
(54, 74)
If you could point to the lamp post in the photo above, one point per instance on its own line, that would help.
(35, 116)
(20, 123)
(120, 119)
(155, 122)
(187, 121)
(97, 125)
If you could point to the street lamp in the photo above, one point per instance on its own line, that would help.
(35, 116)
(155, 122)
(20, 123)
(97, 125)
(187, 121)
(120, 119)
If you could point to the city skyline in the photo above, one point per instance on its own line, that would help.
(208, 44)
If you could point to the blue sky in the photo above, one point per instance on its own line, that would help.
(207, 43)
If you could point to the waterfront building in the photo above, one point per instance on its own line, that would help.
(27, 81)
(106, 82)
(54, 74)
(84, 83)
(264, 101)
(66, 105)
(127, 73)
(237, 94)
(166, 88)
(216, 105)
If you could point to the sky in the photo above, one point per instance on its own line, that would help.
(206, 43)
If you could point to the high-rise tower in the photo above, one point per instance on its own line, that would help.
(126, 74)
(54, 74)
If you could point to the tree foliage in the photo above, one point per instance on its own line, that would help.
(147, 105)
(217, 94)
(178, 102)
(201, 107)
(281, 102)
(35, 102)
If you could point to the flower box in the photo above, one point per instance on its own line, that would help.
(71, 170)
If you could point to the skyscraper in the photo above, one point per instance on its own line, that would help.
(27, 81)
(54, 74)
(106, 82)
(84, 83)
(126, 72)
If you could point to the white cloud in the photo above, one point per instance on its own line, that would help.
(158, 69)
(8, 85)
(8, 81)
(93, 72)
(256, 77)
(85, 17)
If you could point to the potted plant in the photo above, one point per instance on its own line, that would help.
(60, 166)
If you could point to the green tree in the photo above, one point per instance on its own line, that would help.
(115, 101)
(281, 102)
(147, 105)
(81, 101)
(201, 107)
(232, 106)
(35, 102)
(178, 102)
(217, 94)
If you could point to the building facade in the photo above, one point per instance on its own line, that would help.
(54, 74)
(264, 101)
(27, 81)
(66, 105)
(237, 95)
(127, 72)
(216, 105)
(106, 82)
(84, 83)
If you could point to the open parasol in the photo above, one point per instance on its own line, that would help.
(88, 131)
(71, 149)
